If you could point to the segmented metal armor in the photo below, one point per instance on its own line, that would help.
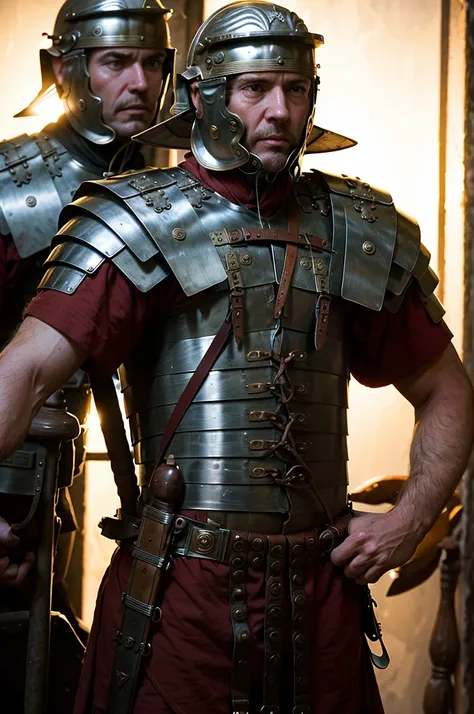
(273, 408)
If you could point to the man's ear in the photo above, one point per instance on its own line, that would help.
(196, 99)
(58, 69)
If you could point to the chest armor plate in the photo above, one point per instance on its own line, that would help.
(271, 414)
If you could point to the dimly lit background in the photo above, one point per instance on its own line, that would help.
(392, 77)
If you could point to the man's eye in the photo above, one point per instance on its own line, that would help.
(114, 64)
(155, 64)
(254, 87)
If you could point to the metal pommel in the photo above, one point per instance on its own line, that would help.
(166, 483)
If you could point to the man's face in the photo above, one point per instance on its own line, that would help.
(128, 80)
(274, 107)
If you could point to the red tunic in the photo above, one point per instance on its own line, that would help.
(188, 671)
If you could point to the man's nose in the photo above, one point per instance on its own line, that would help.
(138, 80)
(278, 106)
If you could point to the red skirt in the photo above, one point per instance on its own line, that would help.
(188, 671)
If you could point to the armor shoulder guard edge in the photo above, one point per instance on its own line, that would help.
(364, 236)
(29, 202)
(411, 265)
(376, 248)
(95, 229)
(155, 200)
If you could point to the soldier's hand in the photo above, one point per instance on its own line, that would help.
(377, 542)
(12, 573)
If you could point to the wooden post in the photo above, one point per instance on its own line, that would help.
(444, 644)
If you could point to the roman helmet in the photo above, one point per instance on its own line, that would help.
(83, 25)
(241, 37)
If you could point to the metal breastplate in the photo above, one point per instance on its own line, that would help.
(245, 430)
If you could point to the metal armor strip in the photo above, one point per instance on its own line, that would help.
(310, 387)
(240, 444)
(204, 417)
(257, 471)
(184, 356)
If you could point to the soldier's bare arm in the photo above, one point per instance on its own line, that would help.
(441, 395)
(37, 361)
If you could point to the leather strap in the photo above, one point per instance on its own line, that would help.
(192, 388)
(323, 305)
(262, 235)
(118, 449)
(273, 659)
(300, 626)
(240, 676)
(290, 259)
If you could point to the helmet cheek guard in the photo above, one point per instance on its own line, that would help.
(241, 37)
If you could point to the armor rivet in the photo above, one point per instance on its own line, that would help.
(237, 561)
(238, 594)
(242, 663)
(237, 152)
(178, 234)
(274, 612)
(238, 576)
(275, 567)
(296, 563)
(213, 132)
(239, 546)
(239, 614)
(280, 60)
(276, 550)
(40, 463)
(257, 472)
(271, 679)
(300, 600)
(275, 660)
(31, 201)
(301, 659)
(233, 126)
(144, 571)
(244, 636)
(310, 543)
(97, 31)
(245, 258)
(275, 588)
(129, 642)
(300, 639)
(305, 263)
(219, 57)
(37, 489)
(209, 63)
(257, 561)
(82, 105)
(368, 247)
(297, 548)
(324, 244)
(297, 579)
(274, 637)
(257, 543)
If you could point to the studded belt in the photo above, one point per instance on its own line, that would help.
(195, 539)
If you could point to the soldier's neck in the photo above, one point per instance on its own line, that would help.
(94, 156)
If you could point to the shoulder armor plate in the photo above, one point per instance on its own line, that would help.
(364, 233)
(32, 170)
(148, 197)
